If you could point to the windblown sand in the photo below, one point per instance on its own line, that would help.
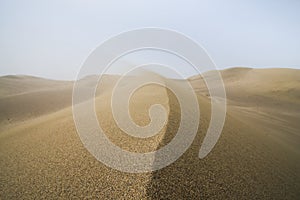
(256, 157)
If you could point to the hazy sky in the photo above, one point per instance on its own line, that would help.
(53, 38)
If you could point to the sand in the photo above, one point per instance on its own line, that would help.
(256, 157)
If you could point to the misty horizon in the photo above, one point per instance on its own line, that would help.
(54, 39)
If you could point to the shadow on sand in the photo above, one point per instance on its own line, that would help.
(239, 166)
(188, 177)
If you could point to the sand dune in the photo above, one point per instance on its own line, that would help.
(26, 97)
(257, 156)
(22, 84)
(267, 99)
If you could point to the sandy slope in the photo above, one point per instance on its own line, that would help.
(21, 84)
(257, 156)
(26, 97)
(266, 99)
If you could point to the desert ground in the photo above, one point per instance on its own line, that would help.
(256, 157)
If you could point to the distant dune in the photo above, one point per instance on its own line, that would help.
(256, 157)
(24, 97)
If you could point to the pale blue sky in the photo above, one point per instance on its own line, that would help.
(53, 38)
